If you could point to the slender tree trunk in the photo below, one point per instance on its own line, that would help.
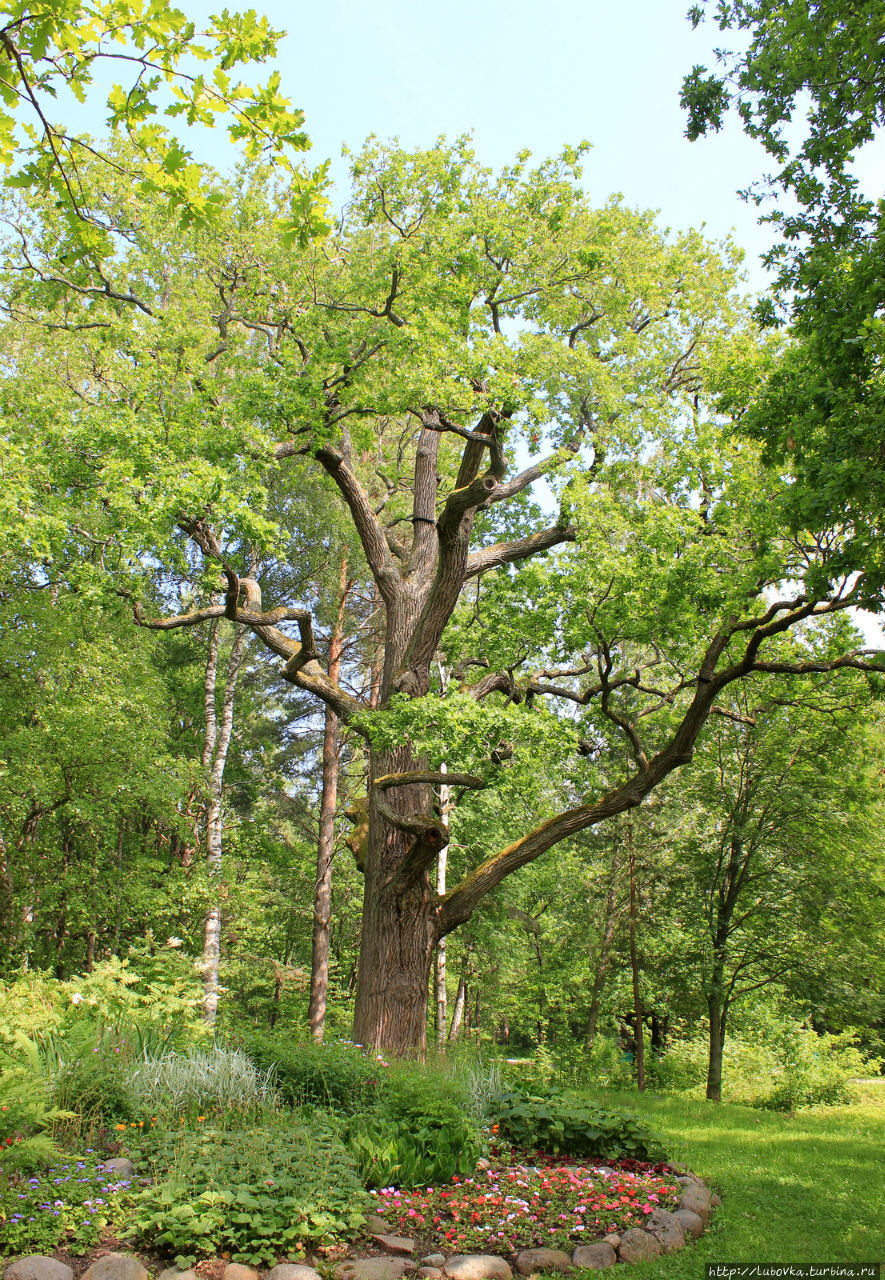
(634, 966)
(442, 995)
(613, 912)
(215, 748)
(458, 1012)
(322, 902)
(716, 1015)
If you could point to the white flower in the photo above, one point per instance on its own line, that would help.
(76, 998)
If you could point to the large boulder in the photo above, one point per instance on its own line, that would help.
(532, 1260)
(238, 1271)
(697, 1199)
(667, 1230)
(292, 1271)
(638, 1246)
(389, 1268)
(395, 1244)
(116, 1266)
(477, 1266)
(121, 1167)
(375, 1224)
(691, 1222)
(38, 1267)
(594, 1257)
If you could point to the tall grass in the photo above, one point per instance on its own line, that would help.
(215, 1079)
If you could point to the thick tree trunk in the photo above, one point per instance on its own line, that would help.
(322, 902)
(400, 910)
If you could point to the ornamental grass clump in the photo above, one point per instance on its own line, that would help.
(504, 1210)
(206, 1080)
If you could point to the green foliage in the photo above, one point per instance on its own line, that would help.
(813, 1069)
(268, 1188)
(27, 1112)
(74, 1202)
(412, 1150)
(567, 1125)
(418, 1133)
(335, 1073)
(151, 999)
(805, 81)
(51, 47)
(90, 1074)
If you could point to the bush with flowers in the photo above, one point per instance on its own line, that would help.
(503, 1210)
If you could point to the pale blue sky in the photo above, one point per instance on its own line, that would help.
(519, 74)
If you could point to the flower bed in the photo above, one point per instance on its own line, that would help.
(522, 1206)
(73, 1202)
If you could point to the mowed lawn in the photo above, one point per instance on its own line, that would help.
(804, 1188)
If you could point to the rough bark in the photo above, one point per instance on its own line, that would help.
(716, 1012)
(322, 903)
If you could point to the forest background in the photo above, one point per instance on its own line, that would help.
(172, 787)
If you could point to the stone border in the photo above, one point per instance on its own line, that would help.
(664, 1232)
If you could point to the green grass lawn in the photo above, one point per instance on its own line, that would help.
(804, 1188)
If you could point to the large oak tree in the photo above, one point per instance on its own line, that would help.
(462, 340)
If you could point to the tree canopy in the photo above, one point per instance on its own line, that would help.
(461, 337)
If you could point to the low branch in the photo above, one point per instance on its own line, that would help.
(436, 779)
(415, 826)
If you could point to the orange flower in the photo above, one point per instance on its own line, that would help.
(119, 1126)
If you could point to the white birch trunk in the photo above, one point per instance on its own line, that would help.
(215, 748)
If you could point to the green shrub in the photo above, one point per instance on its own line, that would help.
(89, 1073)
(418, 1131)
(604, 1066)
(565, 1125)
(154, 993)
(813, 1070)
(334, 1074)
(265, 1189)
